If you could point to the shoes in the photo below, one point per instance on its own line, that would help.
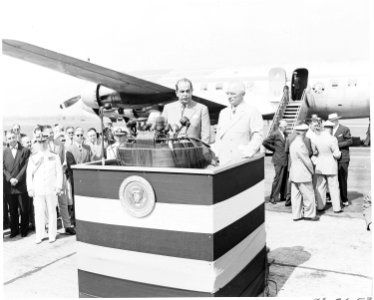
(38, 241)
(13, 235)
(346, 203)
(24, 234)
(338, 212)
(298, 219)
(288, 203)
(70, 231)
(316, 218)
(52, 240)
(272, 201)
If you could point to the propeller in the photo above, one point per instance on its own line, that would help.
(70, 102)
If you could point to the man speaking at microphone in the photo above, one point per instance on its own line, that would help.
(196, 113)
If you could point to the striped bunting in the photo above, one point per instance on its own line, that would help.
(169, 271)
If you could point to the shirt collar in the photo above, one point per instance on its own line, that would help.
(15, 147)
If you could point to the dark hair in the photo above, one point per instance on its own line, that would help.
(93, 129)
(183, 80)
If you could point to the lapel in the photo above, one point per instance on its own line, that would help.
(18, 155)
(338, 130)
(229, 123)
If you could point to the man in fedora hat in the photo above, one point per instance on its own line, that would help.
(301, 171)
(326, 168)
(343, 135)
(276, 142)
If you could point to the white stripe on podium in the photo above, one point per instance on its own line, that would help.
(173, 272)
(176, 217)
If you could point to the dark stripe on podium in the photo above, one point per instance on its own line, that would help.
(206, 247)
(235, 180)
(249, 282)
(178, 188)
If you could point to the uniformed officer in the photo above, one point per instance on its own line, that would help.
(301, 171)
(44, 184)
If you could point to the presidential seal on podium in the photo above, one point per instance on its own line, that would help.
(137, 196)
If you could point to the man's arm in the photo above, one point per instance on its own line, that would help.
(30, 170)
(268, 143)
(205, 125)
(335, 149)
(255, 124)
(347, 139)
(25, 156)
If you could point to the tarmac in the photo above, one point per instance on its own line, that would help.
(328, 258)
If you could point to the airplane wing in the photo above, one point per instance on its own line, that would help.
(117, 81)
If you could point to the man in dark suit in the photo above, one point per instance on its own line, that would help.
(343, 135)
(289, 140)
(276, 142)
(15, 160)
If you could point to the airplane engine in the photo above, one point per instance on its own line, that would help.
(95, 95)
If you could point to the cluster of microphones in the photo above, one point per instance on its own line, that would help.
(160, 127)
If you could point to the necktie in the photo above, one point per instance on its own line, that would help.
(182, 111)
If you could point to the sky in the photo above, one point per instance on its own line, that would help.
(171, 34)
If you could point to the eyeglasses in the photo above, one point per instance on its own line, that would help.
(70, 132)
(79, 135)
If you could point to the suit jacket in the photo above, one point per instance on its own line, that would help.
(276, 142)
(44, 173)
(197, 114)
(343, 134)
(15, 168)
(80, 156)
(301, 169)
(239, 134)
(58, 148)
(328, 153)
(307, 143)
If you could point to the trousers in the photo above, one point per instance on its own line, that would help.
(331, 182)
(41, 204)
(303, 200)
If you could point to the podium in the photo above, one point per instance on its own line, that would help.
(170, 232)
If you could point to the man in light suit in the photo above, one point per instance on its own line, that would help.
(276, 142)
(239, 128)
(196, 113)
(326, 169)
(343, 135)
(301, 171)
(14, 171)
(44, 184)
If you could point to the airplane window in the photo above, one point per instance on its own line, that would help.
(219, 86)
(352, 82)
(203, 87)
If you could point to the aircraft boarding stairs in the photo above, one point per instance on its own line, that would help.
(291, 111)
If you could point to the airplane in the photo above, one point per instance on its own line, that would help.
(346, 92)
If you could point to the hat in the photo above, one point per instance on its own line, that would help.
(302, 127)
(314, 117)
(333, 116)
(118, 131)
(328, 124)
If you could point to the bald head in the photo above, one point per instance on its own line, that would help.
(235, 93)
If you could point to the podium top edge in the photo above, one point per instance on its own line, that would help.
(208, 171)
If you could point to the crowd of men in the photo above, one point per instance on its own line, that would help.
(311, 165)
(37, 171)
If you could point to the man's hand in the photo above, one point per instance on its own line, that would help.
(31, 193)
(13, 181)
(58, 191)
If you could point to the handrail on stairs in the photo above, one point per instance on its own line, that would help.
(280, 110)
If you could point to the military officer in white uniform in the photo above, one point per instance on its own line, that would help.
(196, 113)
(44, 184)
(239, 129)
(301, 171)
(327, 168)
